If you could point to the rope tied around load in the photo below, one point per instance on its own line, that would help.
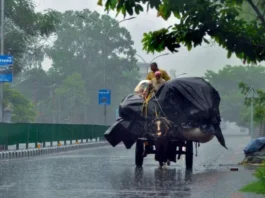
(145, 105)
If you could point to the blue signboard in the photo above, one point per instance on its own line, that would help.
(104, 97)
(6, 68)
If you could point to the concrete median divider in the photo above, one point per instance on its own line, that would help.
(13, 154)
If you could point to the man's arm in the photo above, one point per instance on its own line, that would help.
(166, 76)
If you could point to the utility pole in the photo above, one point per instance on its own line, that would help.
(59, 115)
(252, 94)
(252, 119)
(105, 53)
(105, 63)
(74, 118)
(2, 53)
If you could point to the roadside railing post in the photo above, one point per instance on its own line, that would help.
(27, 140)
(35, 134)
(51, 142)
(7, 142)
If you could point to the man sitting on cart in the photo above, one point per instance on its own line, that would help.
(158, 81)
(154, 68)
(144, 88)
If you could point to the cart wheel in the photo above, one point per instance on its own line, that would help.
(189, 155)
(139, 150)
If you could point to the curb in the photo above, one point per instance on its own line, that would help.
(45, 151)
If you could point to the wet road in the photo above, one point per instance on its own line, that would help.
(108, 172)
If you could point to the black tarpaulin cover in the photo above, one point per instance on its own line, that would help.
(187, 102)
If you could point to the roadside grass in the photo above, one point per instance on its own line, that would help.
(258, 186)
(255, 187)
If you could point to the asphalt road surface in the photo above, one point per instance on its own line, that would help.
(108, 172)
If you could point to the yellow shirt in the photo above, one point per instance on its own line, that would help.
(164, 75)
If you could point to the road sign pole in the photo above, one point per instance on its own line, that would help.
(105, 115)
(104, 98)
(2, 53)
(105, 106)
(252, 122)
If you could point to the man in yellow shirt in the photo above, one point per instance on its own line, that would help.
(154, 68)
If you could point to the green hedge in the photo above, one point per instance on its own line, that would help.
(258, 186)
(11, 134)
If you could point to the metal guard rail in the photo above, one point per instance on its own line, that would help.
(25, 133)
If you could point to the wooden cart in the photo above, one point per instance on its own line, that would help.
(177, 145)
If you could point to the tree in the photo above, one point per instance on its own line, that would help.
(22, 109)
(249, 14)
(83, 48)
(222, 21)
(226, 81)
(25, 34)
(259, 103)
(26, 31)
(35, 84)
(76, 97)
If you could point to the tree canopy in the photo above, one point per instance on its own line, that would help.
(22, 108)
(259, 102)
(200, 20)
(82, 51)
(26, 32)
(227, 81)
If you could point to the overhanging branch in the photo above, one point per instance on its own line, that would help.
(255, 8)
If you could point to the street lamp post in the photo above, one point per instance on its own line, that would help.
(106, 53)
(2, 53)
(105, 63)
(181, 74)
(152, 59)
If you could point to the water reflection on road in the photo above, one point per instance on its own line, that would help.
(110, 172)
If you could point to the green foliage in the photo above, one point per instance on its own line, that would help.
(226, 81)
(24, 35)
(22, 109)
(259, 103)
(199, 20)
(259, 185)
(254, 187)
(81, 53)
(25, 32)
(260, 174)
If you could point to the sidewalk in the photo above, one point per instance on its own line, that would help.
(218, 177)
(9, 154)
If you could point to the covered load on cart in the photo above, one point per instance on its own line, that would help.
(189, 105)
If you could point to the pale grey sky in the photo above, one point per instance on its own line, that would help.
(195, 62)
